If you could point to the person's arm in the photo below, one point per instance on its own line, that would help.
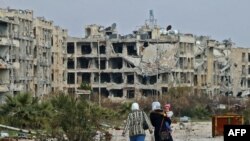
(126, 126)
(148, 122)
(152, 119)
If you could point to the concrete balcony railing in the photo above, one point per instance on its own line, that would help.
(4, 81)
(4, 88)
(16, 87)
(7, 41)
(84, 92)
(4, 41)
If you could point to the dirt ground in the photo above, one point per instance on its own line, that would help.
(191, 131)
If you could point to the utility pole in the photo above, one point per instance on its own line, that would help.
(99, 74)
(11, 53)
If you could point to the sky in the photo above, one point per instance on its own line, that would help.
(219, 19)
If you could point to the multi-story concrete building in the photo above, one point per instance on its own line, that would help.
(19, 54)
(212, 66)
(34, 57)
(26, 46)
(58, 59)
(6, 69)
(42, 55)
(146, 62)
(240, 71)
(49, 57)
(151, 60)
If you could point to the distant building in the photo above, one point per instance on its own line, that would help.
(40, 58)
(26, 52)
(151, 60)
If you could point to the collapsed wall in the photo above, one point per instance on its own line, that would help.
(129, 66)
(34, 57)
(150, 61)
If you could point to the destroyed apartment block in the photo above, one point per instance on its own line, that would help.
(151, 60)
(32, 52)
(16, 50)
(40, 58)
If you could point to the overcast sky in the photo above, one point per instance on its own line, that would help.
(220, 19)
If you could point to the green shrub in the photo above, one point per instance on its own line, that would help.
(85, 86)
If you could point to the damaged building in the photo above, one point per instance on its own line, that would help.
(240, 71)
(49, 57)
(38, 57)
(58, 59)
(16, 50)
(27, 45)
(151, 60)
(5, 67)
(145, 63)
(42, 56)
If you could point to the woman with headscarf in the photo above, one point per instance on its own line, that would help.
(134, 124)
(159, 119)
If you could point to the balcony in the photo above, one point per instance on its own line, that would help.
(3, 65)
(4, 88)
(83, 92)
(16, 87)
(4, 41)
(4, 81)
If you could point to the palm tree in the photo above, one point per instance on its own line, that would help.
(72, 115)
(76, 117)
(27, 112)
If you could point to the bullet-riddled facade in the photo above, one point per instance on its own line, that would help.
(58, 59)
(18, 53)
(42, 55)
(6, 69)
(26, 46)
(240, 71)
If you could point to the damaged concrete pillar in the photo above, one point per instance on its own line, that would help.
(124, 93)
(210, 66)
(124, 50)
(125, 78)
(92, 78)
(79, 78)
(138, 94)
(159, 79)
(107, 63)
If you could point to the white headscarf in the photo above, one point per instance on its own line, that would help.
(156, 105)
(135, 106)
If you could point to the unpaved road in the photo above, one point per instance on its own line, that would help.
(192, 131)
